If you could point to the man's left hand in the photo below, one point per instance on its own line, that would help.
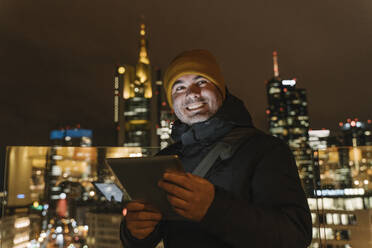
(190, 195)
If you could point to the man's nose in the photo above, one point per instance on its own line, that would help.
(193, 90)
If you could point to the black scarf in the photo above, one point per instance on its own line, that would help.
(191, 141)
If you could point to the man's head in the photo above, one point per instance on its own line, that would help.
(194, 86)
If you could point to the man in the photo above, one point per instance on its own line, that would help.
(251, 199)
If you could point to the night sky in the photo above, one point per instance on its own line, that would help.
(57, 57)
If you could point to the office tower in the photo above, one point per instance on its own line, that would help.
(66, 169)
(288, 120)
(135, 114)
(71, 137)
(165, 113)
(356, 133)
(56, 164)
(287, 110)
(342, 210)
(104, 229)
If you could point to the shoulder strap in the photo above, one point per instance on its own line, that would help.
(225, 149)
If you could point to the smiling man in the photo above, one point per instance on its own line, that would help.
(241, 187)
(195, 98)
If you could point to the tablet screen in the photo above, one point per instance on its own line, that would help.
(110, 190)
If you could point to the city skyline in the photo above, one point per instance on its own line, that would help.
(60, 70)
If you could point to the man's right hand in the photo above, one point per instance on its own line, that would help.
(141, 219)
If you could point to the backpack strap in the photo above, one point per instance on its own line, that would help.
(224, 149)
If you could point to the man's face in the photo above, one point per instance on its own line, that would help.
(195, 99)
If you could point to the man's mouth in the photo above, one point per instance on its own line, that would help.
(194, 106)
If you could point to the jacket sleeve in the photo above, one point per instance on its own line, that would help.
(150, 241)
(277, 214)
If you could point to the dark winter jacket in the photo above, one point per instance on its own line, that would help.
(259, 201)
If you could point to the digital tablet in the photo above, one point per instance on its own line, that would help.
(139, 177)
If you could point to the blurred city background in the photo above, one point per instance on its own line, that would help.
(81, 85)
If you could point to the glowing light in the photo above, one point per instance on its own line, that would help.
(268, 111)
(58, 229)
(20, 238)
(21, 196)
(338, 192)
(366, 181)
(121, 70)
(340, 124)
(62, 196)
(319, 133)
(289, 82)
(22, 222)
(92, 193)
(35, 204)
(356, 182)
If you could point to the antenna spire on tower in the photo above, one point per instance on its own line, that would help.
(276, 66)
(143, 55)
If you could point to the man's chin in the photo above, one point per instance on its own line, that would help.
(197, 119)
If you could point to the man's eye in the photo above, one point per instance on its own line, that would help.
(202, 82)
(179, 88)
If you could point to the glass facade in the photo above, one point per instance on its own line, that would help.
(288, 120)
(51, 200)
(342, 204)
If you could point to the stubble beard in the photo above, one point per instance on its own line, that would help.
(190, 118)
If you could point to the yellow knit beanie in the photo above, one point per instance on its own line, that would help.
(198, 62)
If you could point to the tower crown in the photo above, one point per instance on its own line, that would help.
(143, 55)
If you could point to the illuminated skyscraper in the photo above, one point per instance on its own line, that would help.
(166, 115)
(60, 163)
(135, 114)
(288, 120)
(356, 133)
(287, 111)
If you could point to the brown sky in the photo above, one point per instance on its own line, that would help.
(57, 57)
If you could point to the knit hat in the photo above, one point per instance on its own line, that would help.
(199, 62)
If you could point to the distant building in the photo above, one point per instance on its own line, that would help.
(165, 113)
(289, 120)
(104, 230)
(318, 139)
(71, 137)
(135, 101)
(56, 162)
(287, 110)
(356, 133)
(342, 208)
